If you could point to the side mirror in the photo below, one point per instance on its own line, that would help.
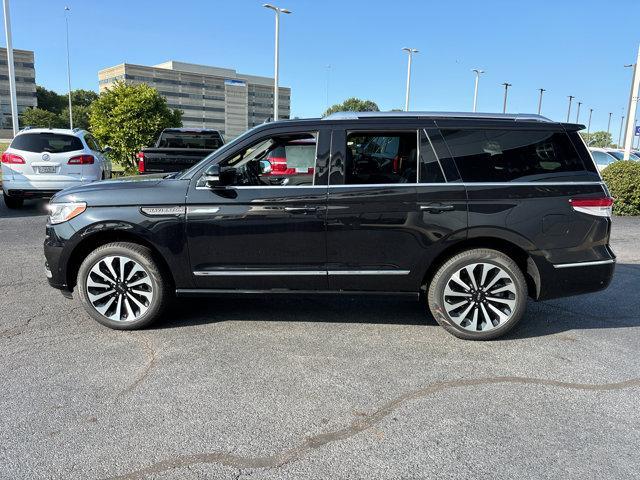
(214, 176)
(265, 167)
(107, 149)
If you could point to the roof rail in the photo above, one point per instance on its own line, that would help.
(27, 127)
(495, 116)
(76, 129)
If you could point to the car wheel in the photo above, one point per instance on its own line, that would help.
(12, 202)
(478, 294)
(121, 286)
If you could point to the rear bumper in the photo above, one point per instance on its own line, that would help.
(567, 279)
(39, 188)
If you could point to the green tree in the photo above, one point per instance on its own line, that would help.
(82, 97)
(80, 117)
(50, 100)
(37, 117)
(353, 104)
(129, 117)
(597, 139)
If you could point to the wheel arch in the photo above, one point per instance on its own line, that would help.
(98, 239)
(516, 251)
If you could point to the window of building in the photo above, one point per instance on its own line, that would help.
(503, 155)
(379, 158)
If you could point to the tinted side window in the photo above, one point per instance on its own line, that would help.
(430, 169)
(503, 155)
(602, 158)
(46, 142)
(92, 143)
(378, 158)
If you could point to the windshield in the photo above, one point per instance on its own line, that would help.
(221, 151)
(620, 155)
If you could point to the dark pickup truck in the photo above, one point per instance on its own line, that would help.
(178, 149)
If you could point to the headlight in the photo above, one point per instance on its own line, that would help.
(62, 212)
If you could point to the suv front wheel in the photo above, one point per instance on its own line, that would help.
(121, 286)
(478, 294)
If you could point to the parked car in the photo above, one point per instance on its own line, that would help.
(41, 161)
(619, 154)
(472, 214)
(602, 157)
(178, 149)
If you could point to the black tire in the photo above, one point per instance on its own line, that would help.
(12, 202)
(159, 285)
(476, 297)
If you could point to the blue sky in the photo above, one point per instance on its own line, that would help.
(565, 46)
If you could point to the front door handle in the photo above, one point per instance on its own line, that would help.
(437, 208)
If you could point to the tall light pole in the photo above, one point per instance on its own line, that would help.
(578, 112)
(506, 93)
(589, 125)
(620, 134)
(541, 90)
(633, 106)
(276, 59)
(571, 97)
(609, 126)
(410, 51)
(475, 90)
(66, 21)
(12, 73)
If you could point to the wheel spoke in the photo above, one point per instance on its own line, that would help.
(474, 320)
(485, 270)
(502, 316)
(93, 284)
(103, 309)
(501, 275)
(506, 288)
(460, 318)
(488, 324)
(147, 295)
(470, 269)
(94, 298)
(506, 301)
(456, 278)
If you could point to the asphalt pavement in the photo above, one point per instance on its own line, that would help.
(313, 388)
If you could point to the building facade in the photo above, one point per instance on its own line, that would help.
(25, 73)
(209, 97)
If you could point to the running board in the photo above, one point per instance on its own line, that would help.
(204, 292)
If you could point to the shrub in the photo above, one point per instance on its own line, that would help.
(623, 180)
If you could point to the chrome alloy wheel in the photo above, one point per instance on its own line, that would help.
(119, 288)
(480, 297)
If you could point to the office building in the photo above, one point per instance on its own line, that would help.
(25, 74)
(209, 97)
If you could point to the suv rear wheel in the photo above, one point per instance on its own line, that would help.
(478, 294)
(12, 202)
(121, 286)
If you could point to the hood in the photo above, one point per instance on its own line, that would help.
(139, 189)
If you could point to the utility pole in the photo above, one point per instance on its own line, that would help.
(66, 21)
(620, 134)
(589, 125)
(578, 113)
(571, 97)
(541, 90)
(478, 72)
(609, 127)
(410, 51)
(276, 58)
(506, 93)
(633, 105)
(12, 73)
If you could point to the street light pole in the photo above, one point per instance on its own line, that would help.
(589, 125)
(578, 112)
(609, 127)
(506, 93)
(620, 134)
(66, 20)
(276, 60)
(410, 51)
(475, 90)
(542, 90)
(633, 106)
(12, 73)
(571, 97)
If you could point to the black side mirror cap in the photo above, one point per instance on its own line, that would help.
(107, 149)
(211, 176)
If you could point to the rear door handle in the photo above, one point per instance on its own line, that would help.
(437, 208)
(300, 209)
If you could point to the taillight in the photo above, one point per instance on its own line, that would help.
(12, 158)
(140, 156)
(81, 160)
(600, 207)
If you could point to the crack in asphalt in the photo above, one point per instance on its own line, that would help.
(357, 426)
(152, 356)
(19, 329)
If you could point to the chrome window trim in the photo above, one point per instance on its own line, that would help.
(584, 264)
(204, 210)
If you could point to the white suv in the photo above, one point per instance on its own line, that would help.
(41, 161)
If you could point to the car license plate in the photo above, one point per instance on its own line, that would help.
(51, 169)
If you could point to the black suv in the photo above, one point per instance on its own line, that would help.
(471, 213)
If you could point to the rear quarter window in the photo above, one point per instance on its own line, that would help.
(516, 155)
(46, 142)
